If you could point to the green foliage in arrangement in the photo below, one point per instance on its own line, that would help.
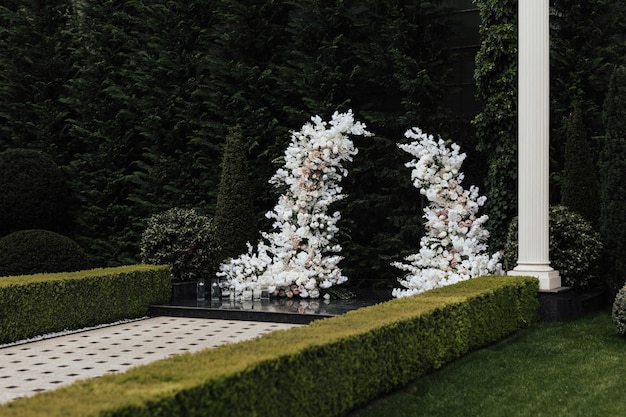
(325, 368)
(184, 240)
(36, 251)
(496, 124)
(580, 190)
(34, 305)
(33, 192)
(575, 248)
(235, 221)
(618, 312)
(612, 179)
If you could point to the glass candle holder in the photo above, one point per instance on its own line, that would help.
(200, 289)
(215, 290)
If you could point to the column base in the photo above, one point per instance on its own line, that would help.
(549, 279)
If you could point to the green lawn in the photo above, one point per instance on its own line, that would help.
(568, 369)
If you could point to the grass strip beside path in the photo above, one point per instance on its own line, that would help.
(571, 369)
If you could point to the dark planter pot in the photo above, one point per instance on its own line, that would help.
(183, 290)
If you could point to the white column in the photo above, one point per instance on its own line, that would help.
(534, 143)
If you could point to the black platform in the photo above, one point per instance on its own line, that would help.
(279, 310)
(559, 305)
(565, 304)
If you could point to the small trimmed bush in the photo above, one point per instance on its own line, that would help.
(40, 251)
(182, 239)
(574, 248)
(619, 311)
(33, 194)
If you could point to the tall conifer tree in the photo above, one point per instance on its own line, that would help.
(235, 220)
(580, 188)
(613, 180)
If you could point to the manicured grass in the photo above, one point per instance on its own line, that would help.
(568, 369)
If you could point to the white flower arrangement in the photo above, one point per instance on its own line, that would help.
(453, 248)
(300, 257)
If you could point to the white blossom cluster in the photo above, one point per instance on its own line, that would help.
(300, 256)
(453, 248)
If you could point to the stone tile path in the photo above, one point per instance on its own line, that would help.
(28, 368)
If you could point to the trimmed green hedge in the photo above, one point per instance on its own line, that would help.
(322, 369)
(32, 305)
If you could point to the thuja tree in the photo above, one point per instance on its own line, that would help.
(612, 180)
(496, 124)
(300, 257)
(234, 220)
(580, 187)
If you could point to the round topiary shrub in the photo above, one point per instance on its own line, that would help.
(39, 251)
(33, 193)
(619, 311)
(183, 239)
(574, 248)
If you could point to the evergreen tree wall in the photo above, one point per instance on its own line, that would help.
(35, 65)
(147, 135)
(613, 180)
(146, 93)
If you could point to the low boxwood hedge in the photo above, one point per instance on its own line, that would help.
(33, 305)
(323, 369)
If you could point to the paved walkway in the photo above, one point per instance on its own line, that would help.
(28, 368)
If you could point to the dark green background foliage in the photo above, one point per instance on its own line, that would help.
(134, 100)
(33, 192)
(38, 251)
(35, 67)
(613, 180)
(146, 92)
(235, 222)
(587, 41)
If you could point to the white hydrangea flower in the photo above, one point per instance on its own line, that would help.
(300, 251)
(453, 248)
